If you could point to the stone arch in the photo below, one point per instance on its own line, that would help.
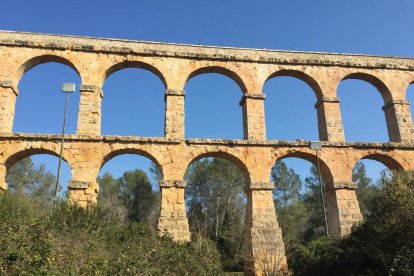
(134, 64)
(391, 163)
(37, 60)
(19, 155)
(133, 151)
(326, 173)
(225, 155)
(374, 81)
(219, 70)
(309, 80)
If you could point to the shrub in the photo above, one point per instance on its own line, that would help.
(382, 244)
(72, 240)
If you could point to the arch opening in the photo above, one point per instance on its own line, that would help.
(40, 104)
(289, 108)
(361, 110)
(297, 198)
(369, 174)
(410, 97)
(129, 186)
(133, 103)
(216, 204)
(33, 173)
(212, 107)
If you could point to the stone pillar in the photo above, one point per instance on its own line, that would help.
(399, 122)
(254, 125)
(3, 184)
(174, 113)
(8, 94)
(83, 188)
(329, 120)
(342, 208)
(263, 243)
(82, 192)
(89, 115)
(173, 220)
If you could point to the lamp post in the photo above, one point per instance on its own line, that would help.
(67, 88)
(317, 145)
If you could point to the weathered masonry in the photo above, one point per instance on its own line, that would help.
(87, 151)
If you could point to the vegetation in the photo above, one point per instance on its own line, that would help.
(216, 203)
(118, 237)
(382, 245)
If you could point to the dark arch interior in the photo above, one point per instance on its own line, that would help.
(361, 109)
(289, 109)
(133, 104)
(40, 104)
(212, 108)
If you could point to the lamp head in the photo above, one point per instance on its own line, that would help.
(68, 87)
(315, 145)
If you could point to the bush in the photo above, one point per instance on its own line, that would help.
(71, 241)
(381, 245)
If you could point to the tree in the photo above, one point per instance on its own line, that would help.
(287, 185)
(34, 181)
(133, 192)
(381, 245)
(312, 198)
(109, 195)
(136, 192)
(365, 187)
(215, 202)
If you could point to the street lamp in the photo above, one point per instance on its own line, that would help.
(67, 88)
(317, 145)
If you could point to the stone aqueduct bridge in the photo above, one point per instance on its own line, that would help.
(87, 151)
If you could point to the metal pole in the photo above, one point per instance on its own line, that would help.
(61, 149)
(322, 194)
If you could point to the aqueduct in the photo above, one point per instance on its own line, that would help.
(86, 151)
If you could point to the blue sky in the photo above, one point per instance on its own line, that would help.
(370, 27)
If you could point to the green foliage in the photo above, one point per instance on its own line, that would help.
(215, 202)
(287, 186)
(381, 245)
(366, 188)
(25, 177)
(130, 195)
(92, 241)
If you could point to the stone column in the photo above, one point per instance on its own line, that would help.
(254, 125)
(173, 220)
(83, 188)
(3, 184)
(399, 122)
(174, 113)
(89, 115)
(329, 120)
(263, 243)
(8, 94)
(342, 208)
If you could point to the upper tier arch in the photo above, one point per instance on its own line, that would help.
(373, 80)
(219, 70)
(41, 59)
(309, 80)
(134, 64)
